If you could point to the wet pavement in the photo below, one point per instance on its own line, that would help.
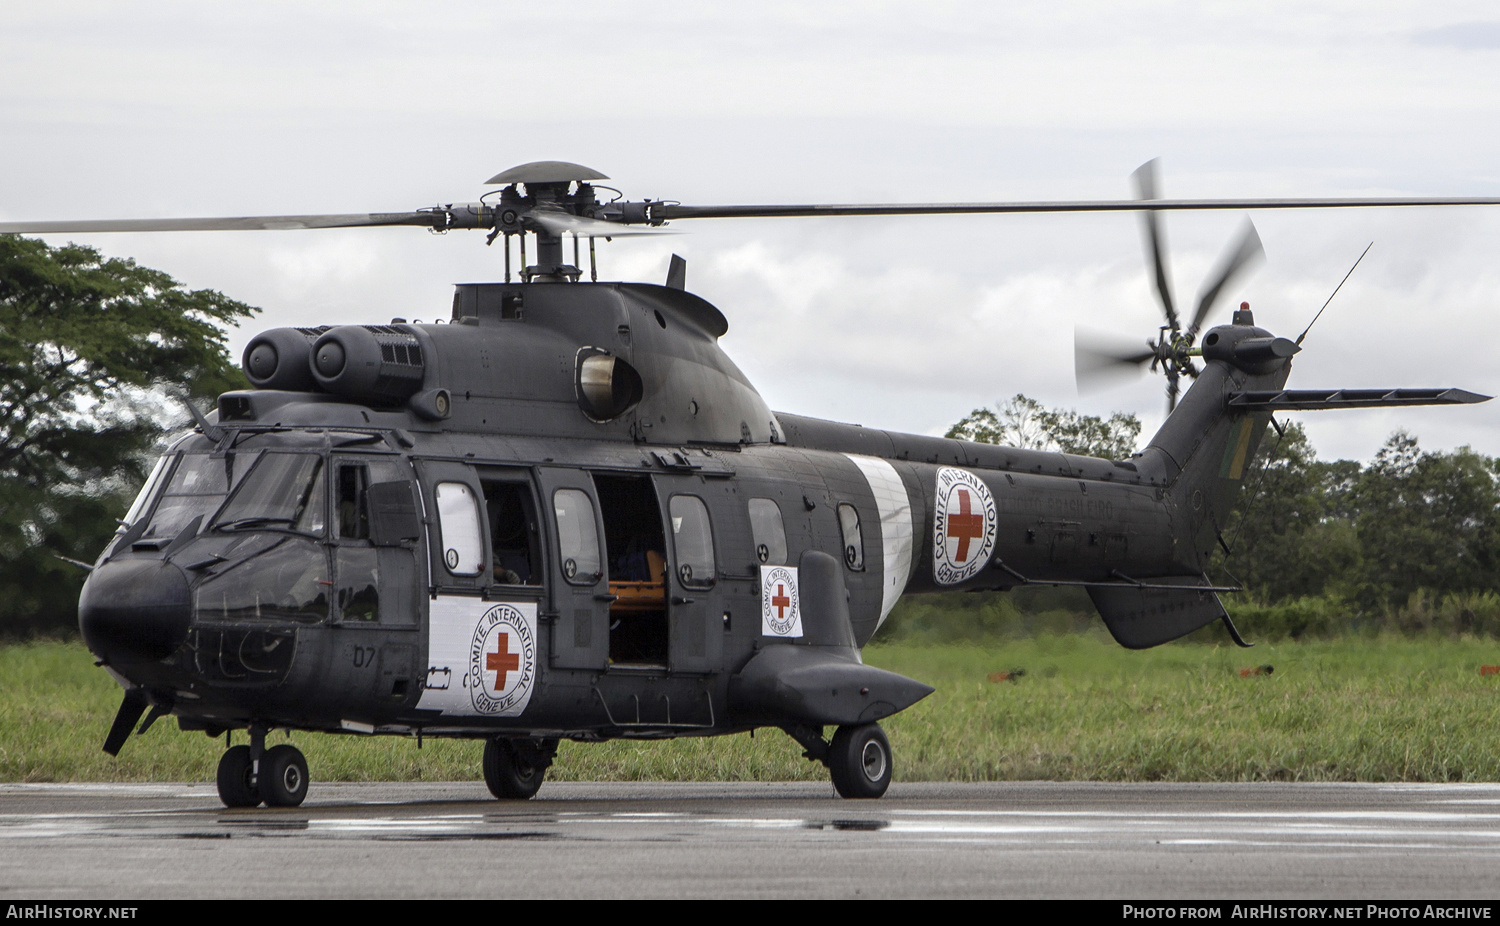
(1012, 839)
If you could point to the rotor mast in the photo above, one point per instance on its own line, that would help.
(544, 198)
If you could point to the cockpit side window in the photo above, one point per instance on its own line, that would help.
(353, 515)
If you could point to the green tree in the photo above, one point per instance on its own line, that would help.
(1427, 521)
(1014, 424)
(1292, 533)
(1410, 521)
(91, 349)
(1025, 422)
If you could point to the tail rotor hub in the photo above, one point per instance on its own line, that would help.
(1173, 350)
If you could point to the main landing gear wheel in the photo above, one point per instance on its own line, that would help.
(234, 778)
(283, 776)
(514, 769)
(859, 761)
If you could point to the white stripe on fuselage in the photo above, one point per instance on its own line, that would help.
(895, 528)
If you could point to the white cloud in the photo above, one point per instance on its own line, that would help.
(178, 108)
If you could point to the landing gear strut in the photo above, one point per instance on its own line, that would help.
(251, 774)
(858, 758)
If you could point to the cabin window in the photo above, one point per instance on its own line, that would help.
(458, 522)
(693, 540)
(577, 536)
(513, 550)
(768, 532)
(854, 541)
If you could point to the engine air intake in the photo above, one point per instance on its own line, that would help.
(378, 364)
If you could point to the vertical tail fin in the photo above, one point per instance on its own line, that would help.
(1202, 453)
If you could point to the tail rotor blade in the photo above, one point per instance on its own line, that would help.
(1246, 252)
(1146, 189)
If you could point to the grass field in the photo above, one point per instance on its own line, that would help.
(1384, 709)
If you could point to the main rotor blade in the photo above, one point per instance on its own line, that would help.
(1101, 360)
(560, 223)
(474, 215)
(669, 212)
(1145, 184)
(229, 223)
(1248, 250)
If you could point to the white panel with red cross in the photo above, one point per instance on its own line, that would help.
(780, 607)
(963, 526)
(481, 657)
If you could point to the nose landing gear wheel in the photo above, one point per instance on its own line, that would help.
(283, 776)
(859, 761)
(235, 788)
(514, 769)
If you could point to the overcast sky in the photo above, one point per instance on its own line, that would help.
(165, 109)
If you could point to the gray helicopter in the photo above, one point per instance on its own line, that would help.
(566, 514)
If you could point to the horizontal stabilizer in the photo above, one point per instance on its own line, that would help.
(1272, 400)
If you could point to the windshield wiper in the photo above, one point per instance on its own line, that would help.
(258, 521)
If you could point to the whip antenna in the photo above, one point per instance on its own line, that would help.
(1334, 293)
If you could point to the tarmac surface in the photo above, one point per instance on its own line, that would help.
(998, 840)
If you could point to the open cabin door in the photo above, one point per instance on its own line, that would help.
(575, 569)
(636, 563)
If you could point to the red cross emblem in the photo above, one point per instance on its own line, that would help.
(502, 662)
(964, 526)
(780, 601)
